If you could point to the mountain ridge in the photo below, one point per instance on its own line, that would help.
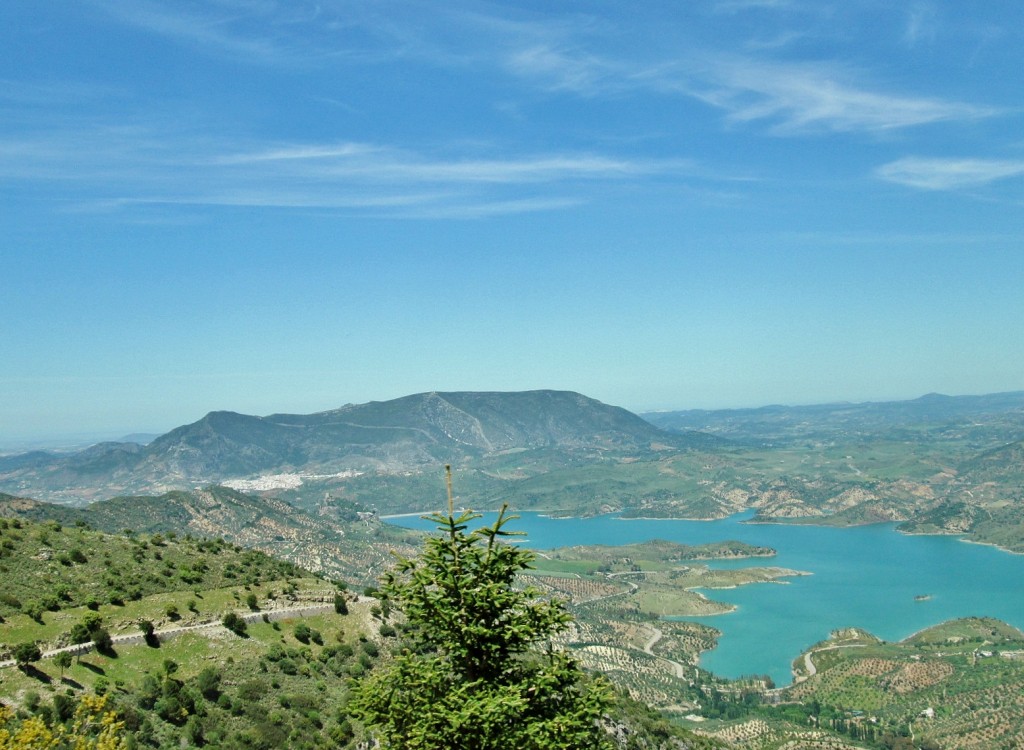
(398, 435)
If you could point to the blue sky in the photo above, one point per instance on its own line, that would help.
(272, 206)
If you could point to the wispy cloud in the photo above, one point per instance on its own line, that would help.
(297, 32)
(210, 27)
(567, 54)
(138, 168)
(778, 41)
(948, 174)
(376, 164)
(369, 163)
(298, 153)
(749, 85)
(922, 24)
(563, 69)
(803, 97)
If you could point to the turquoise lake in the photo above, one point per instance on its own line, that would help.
(865, 577)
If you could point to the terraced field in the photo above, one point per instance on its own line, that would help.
(619, 596)
(959, 685)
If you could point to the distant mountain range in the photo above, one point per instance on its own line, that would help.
(937, 464)
(405, 434)
(784, 424)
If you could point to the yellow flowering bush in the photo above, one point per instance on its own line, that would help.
(94, 728)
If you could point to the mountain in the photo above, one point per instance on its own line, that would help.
(401, 435)
(986, 417)
(935, 464)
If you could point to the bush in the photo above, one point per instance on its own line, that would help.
(235, 624)
(208, 683)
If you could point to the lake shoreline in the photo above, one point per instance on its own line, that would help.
(616, 515)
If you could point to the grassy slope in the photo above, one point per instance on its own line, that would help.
(50, 567)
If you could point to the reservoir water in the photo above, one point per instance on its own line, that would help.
(865, 577)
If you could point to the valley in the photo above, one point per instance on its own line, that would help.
(651, 611)
(948, 465)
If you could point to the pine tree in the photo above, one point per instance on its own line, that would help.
(479, 671)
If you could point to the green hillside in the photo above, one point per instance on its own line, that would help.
(47, 567)
(339, 538)
(280, 676)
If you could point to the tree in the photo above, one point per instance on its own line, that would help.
(479, 671)
(340, 605)
(208, 682)
(149, 633)
(26, 653)
(62, 660)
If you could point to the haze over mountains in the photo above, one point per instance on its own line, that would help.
(842, 421)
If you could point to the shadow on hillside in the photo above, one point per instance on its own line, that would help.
(75, 684)
(93, 667)
(35, 674)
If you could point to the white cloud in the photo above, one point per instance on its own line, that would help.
(209, 29)
(791, 97)
(582, 73)
(102, 170)
(779, 41)
(805, 97)
(425, 205)
(563, 53)
(948, 174)
(380, 164)
(508, 171)
(302, 152)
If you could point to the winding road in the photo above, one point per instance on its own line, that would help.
(809, 664)
(656, 635)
